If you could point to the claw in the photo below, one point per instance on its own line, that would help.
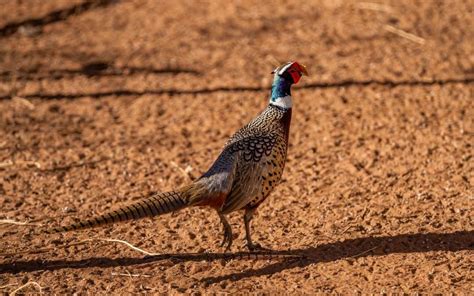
(256, 247)
(227, 239)
(229, 244)
(227, 233)
(224, 239)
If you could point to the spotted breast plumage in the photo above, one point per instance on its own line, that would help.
(247, 170)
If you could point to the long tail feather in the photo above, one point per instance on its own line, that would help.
(153, 206)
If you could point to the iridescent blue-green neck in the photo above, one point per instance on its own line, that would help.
(281, 87)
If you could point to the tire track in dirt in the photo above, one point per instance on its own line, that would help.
(343, 83)
(55, 16)
(99, 69)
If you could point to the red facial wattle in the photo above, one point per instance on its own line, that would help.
(297, 70)
(296, 75)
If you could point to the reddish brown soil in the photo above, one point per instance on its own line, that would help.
(128, 95)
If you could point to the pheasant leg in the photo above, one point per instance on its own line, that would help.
(251, 245)
(227, 233)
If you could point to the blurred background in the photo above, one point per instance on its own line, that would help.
(132, 45)
(103, 102)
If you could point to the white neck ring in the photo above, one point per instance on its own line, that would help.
(283, 102)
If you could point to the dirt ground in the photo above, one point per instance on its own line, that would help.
(104, 102)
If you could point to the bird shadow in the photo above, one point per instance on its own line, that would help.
(349, 249)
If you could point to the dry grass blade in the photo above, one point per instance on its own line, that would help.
(6, 286)
(44, 250)
(128, 274)
(6, 164)
(27, 163)
(374, 6)
(32, 163)
(365, 252)
(13, 222)
(26, 285)
(186, 172)
(405, 35)
(24, 102)
(127, 244)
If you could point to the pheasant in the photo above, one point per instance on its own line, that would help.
(247, 170)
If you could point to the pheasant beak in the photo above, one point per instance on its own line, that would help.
(303, 69)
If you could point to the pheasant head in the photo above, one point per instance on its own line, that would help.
(284, 77)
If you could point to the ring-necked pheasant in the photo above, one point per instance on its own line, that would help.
(244, 174)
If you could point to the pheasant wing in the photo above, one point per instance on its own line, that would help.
(252, 158)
